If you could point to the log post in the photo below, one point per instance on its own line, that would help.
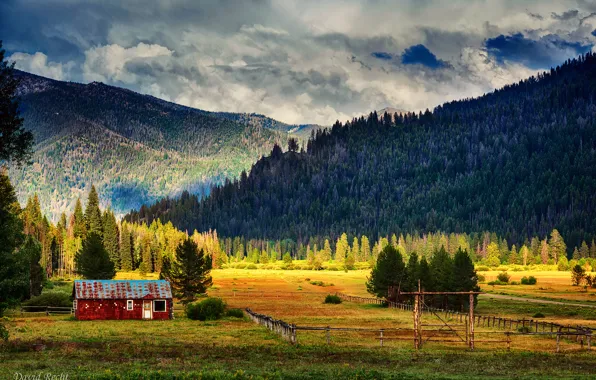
(471, 319)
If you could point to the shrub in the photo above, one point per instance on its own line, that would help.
(54, 299)
(504, 277)
(497, 282)
(331, 298)
(538, 315)
(532, 280)
(483, 268)
(481, 277)
(578, 275)
(236, 313)
(514, 283)
(207, 310)
(251, 266)
(240, 266)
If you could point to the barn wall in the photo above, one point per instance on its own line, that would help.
(115, 309)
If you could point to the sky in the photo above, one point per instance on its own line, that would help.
(298, 61)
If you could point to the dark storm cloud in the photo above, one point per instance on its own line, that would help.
(535, 15)
(543, 53)
(568, 15)
(382, 55)
(420, 55)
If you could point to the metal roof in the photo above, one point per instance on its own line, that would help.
(121, 289)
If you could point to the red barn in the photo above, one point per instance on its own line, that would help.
(122, 299)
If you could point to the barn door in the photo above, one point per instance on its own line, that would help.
(147, 310)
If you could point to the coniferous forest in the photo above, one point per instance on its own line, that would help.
(519, 162)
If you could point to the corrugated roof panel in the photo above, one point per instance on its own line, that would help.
(121, 289)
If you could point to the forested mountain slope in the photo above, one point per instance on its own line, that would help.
(518, 162)
(134, 148)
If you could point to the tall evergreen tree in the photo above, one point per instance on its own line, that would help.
(15, 141)
(388, 274)
(92, 261)
(31, 251)
(93, 214)
(557, 245)
(413, 273)
(126, 249)
(441, 270)
(79, 227)
(190, 273)
(111, 237)
(584, 251)
(365, 248)
(464, 279)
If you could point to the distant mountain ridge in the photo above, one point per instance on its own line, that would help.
(135, 148)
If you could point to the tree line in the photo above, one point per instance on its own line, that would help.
(517, 161)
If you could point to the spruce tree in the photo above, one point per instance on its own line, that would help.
(356, 250)
(593, 249)
(388, 273)
(190, 274)
(92, 261)
(79, 227)
(584, 251)
(31, 251)
(557, 245)
(413, 273)
(126, 249)
(364, 248)
(110, 237)
(15, 141)
(464, 279)
(441, 269)
(93, 214)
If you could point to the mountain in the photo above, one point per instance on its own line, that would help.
(135, 148)
(519, 161)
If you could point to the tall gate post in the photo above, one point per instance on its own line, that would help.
(471, 324)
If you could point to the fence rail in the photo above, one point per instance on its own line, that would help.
(285, 330)
(527, 325)
(48, 310)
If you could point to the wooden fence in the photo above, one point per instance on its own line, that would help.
(523, 325)
(285, 330)
(48, 310)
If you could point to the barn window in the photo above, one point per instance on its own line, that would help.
(129, 305)
(159, 305)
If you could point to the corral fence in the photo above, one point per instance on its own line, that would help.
(47, 310)
(285, 330)
(386, 337)
(522, 325)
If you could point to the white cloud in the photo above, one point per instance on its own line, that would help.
(38, 64)
(107, 63)
(307, 61)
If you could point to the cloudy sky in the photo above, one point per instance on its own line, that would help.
(298, 61)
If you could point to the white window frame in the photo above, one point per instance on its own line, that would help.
(165, 306)
(130, 305)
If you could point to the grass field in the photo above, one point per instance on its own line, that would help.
(238, 348)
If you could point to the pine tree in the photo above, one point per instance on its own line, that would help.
(55, 252)
(15, 141)
(584, 251)
(356, 250)
(413, 273)
(441, 270)
(111, 237)
(593, 249)
(31, 251)
(93, 261)
(326, 254)
(93, 214)
(126, 249)
(387, 274)
(365, 249)
(524, 253)
(190, 273)
(544, 251)
(341, 248)
(79, 227)
(575, 255)
(493, 255)
(464, 279)
(557, 245)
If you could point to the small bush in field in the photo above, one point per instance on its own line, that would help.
(332, 298)
(207, 310)
(538, 315)
(504, 277)
(528, 280)
(251, 266)
(481, 277)
(514, 283)
(236, 313)
(483, 269)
